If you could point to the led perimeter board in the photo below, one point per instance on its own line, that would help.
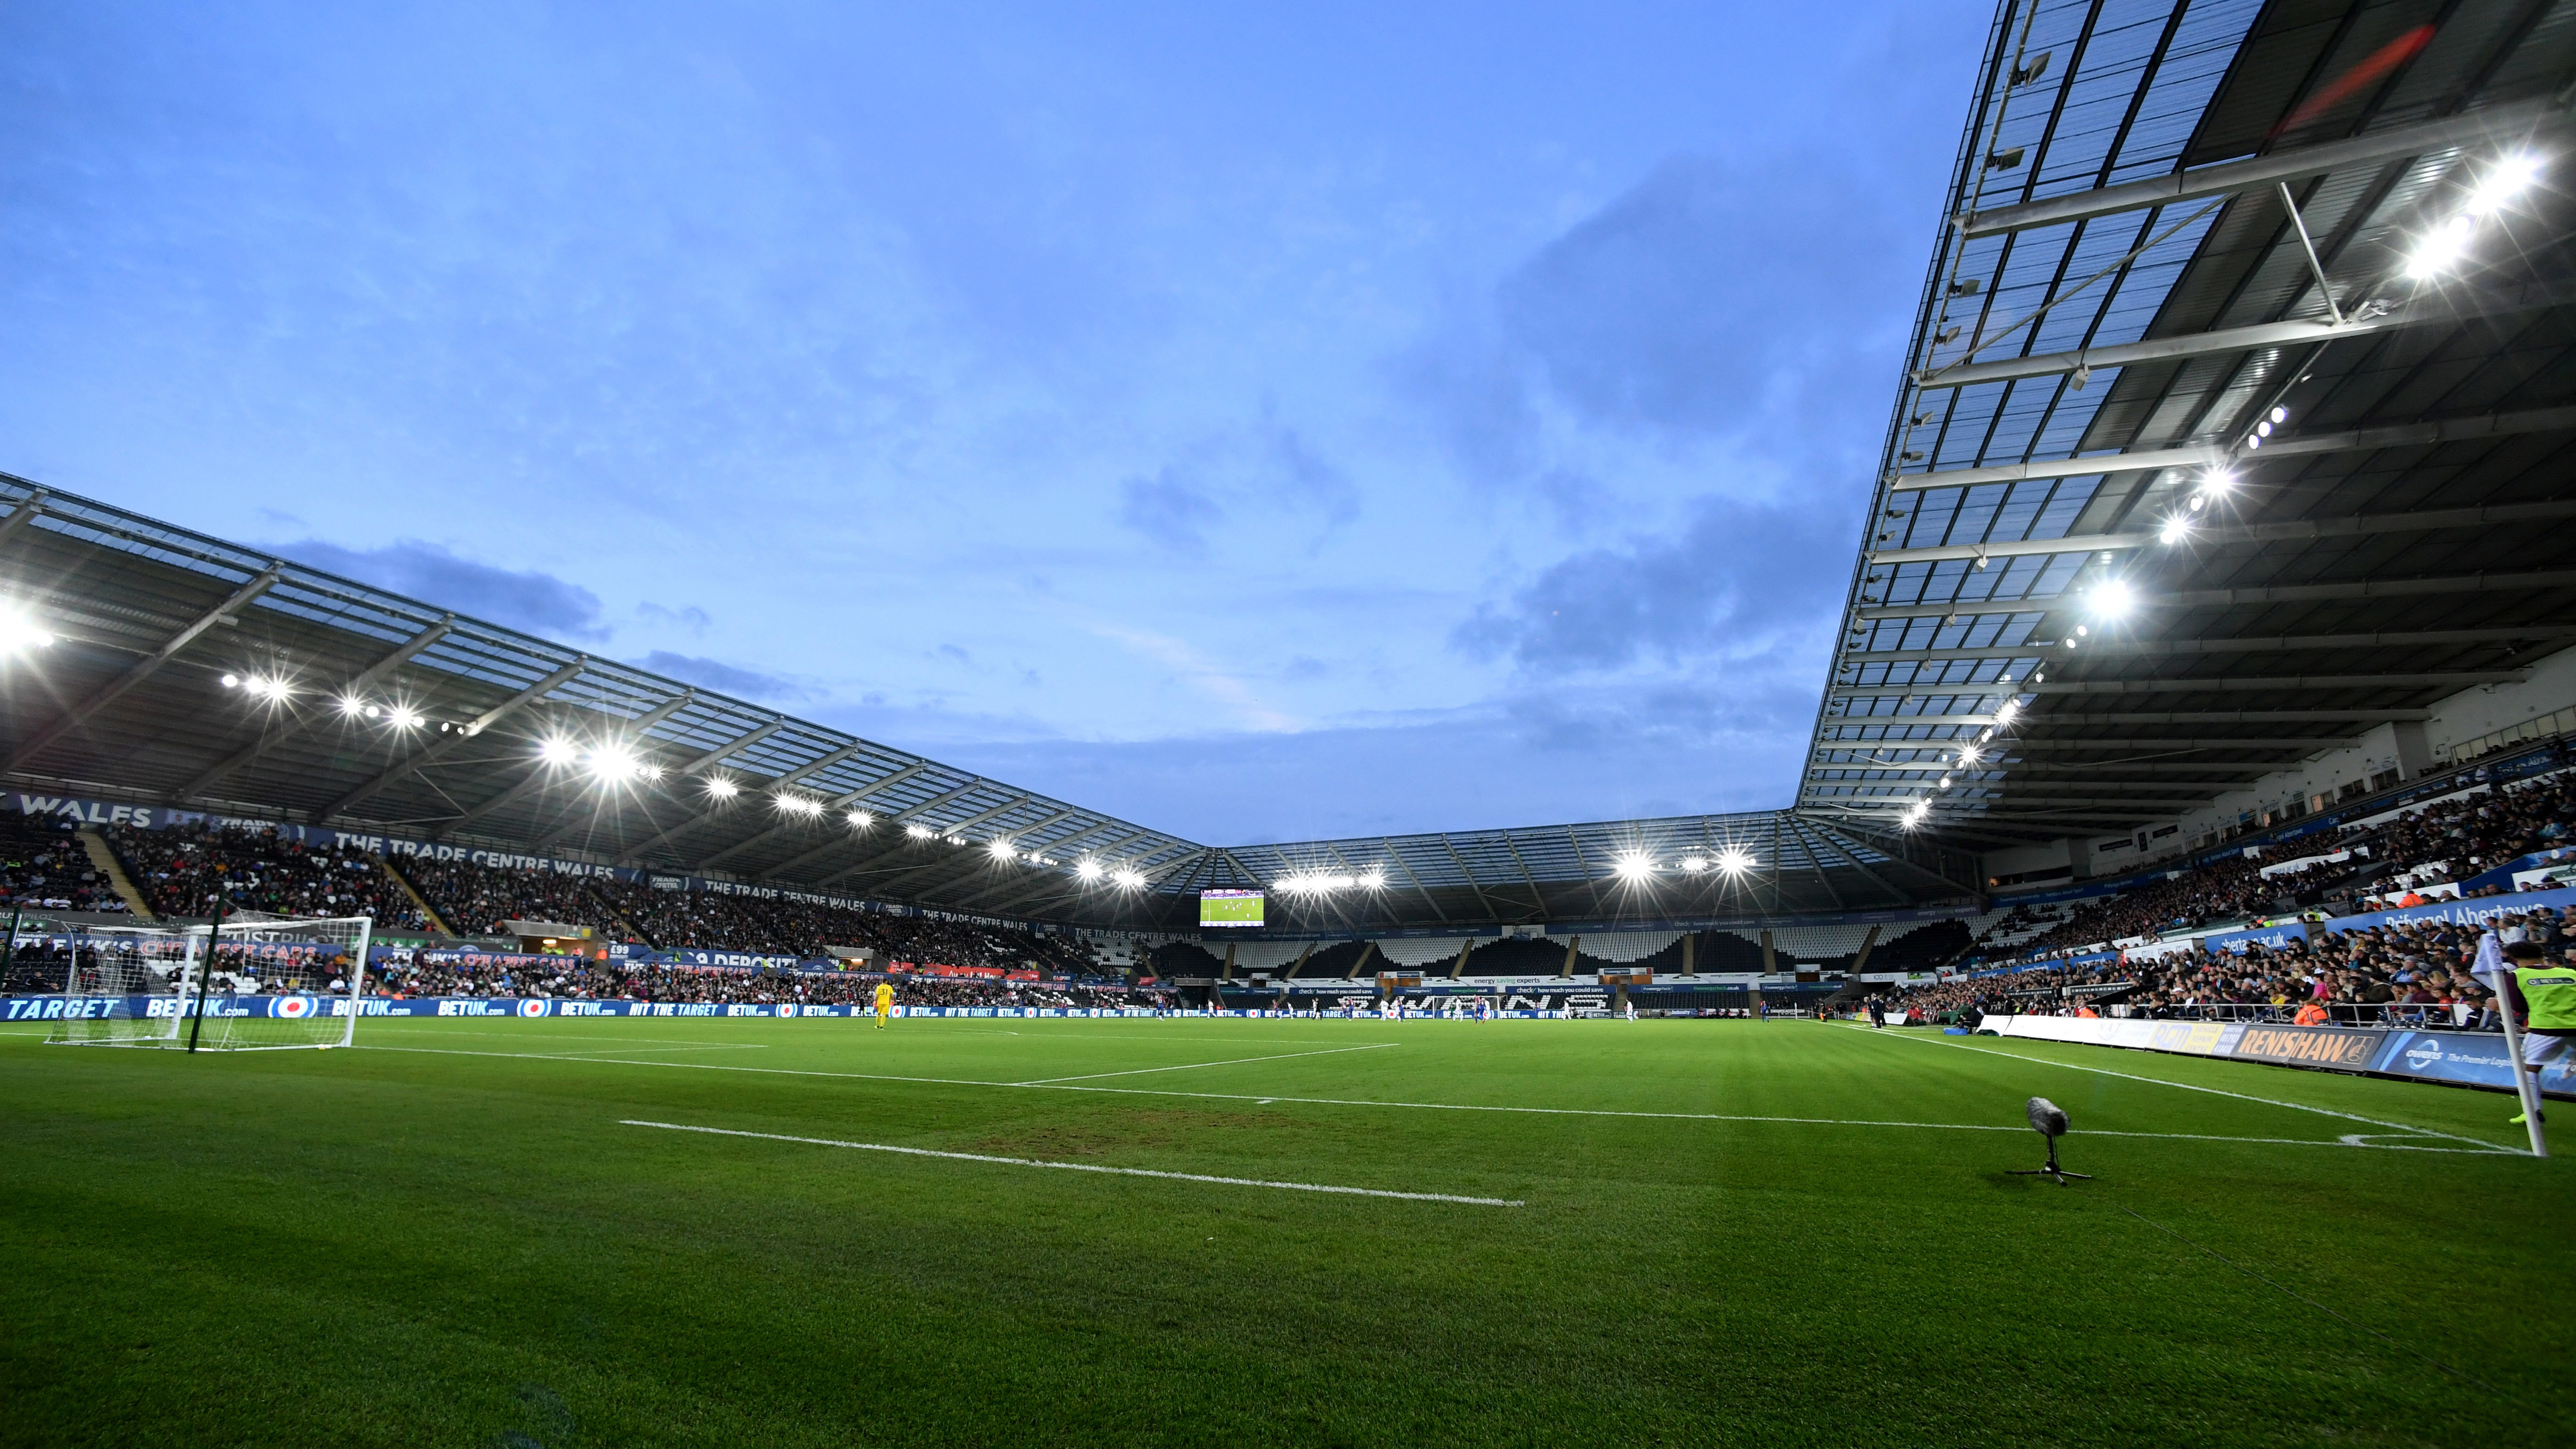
(1230, 908)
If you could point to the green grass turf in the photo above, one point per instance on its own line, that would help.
(456, 1242)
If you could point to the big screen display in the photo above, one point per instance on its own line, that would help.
(1229, 908)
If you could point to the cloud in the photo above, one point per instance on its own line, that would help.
(1727, 585)
(1169, 510)
(536, 602)
(730, 678)
(689, 617)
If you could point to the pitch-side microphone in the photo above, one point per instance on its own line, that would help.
(2049, 1120)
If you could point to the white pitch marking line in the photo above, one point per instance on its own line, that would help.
(2191, 1087)
(1193, 1066)
(1088, 1166)
(1424, 1106)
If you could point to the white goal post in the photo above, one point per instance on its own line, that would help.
(250, 982)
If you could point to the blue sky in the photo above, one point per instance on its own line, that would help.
(1262, 423)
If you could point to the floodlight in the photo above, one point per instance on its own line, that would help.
(798, 803)
(2111, 599)
(614, 762)
(860, 819)
(917, 831)
(556, 750)
(2010, 708)
(231, 681)
(2280, 415)
(351, 706)
(19, 631)
(1000, 847)
(651, 772)
(403, 718)
(1970, 755)
(1945, 782)
(1087, 868)
(723, 789)
(1633, 865)
(1694, 864)
(2440, 247)
(1126, 879)
(1735, 860)
(2263, 429)
(2177, 528)
(2507, 180)
(1373, 880)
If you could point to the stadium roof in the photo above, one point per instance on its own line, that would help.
(482, 735)
(2195, 386)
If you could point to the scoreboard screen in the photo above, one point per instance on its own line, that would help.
(1230, 908)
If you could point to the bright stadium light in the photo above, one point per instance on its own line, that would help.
(612, 763)
(1970, 754)
(2508, 179)
(1633, 865)
(1126, 879)
(2176, 529)
(2010, 708)
(1372, 880)
(2440, 249)
(556, 750)
(721, 788)
(1735, 860)
(860, 819)
(1000, 848)
(1694, 864)
(403, 717)
(917, 831)
(1087, 868)
(2112, 598)
(350, 706)
(798, 803)
(20, 633)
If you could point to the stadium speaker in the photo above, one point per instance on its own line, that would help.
(2049, 1120)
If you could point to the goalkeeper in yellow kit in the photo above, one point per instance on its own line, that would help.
(885, 1003)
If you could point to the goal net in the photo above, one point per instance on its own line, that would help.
(253, 982)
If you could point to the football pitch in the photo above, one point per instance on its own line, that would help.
(569, 1232)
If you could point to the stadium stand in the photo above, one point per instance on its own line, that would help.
(43, 865)
(475, 899)
(180, 872)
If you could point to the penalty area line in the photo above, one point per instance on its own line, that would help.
(1086, 1166)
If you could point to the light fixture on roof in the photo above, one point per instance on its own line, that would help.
(1970, 755)
(2504, 181)
(2440, 248)
(796, 802)
(1088, 869)
(230, 681)
(860, 819)
(1734, 860)
(1000, 848)
(556, 750)
(350, 706)
(403, 717)
(917, 830)
(19, 631)
(1372, 880)
(2176, 528)
(614, 764)
(1694, 864)
(1633, 865)
(723, 789)
(1126, 879)
(2112, 599)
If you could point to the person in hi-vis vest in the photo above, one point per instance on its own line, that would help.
(2541, 993)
